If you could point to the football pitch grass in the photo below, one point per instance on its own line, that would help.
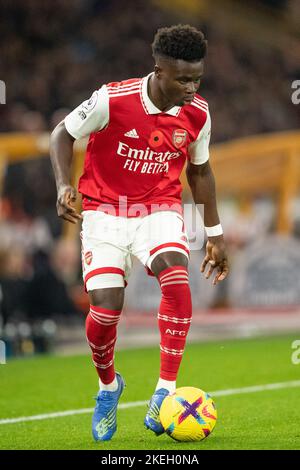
(253, 419)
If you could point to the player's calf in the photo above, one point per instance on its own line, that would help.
(101, 333)
(174, 319)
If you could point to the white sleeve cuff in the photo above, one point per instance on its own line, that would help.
(199, 150)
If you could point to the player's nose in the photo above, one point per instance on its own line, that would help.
(191, 88)
(190, 91)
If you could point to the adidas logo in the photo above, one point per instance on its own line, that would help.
(133, 133)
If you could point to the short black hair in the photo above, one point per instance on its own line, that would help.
(183, 42)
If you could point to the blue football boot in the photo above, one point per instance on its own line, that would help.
(152, 420)
(105, 415)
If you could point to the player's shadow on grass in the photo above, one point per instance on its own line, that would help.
(148, 441)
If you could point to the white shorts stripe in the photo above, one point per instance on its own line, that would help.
(164, 250)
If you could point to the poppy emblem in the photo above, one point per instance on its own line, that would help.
(179, 138)
(88, 257)
(156, 138)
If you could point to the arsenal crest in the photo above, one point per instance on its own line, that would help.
(88, 257)
(179, 138)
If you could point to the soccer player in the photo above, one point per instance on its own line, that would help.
(141, 132)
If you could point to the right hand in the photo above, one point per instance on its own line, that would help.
(215, 258)
(66, 196)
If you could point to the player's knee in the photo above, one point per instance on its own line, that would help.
(110, 298)
(168, 259)
(176, 293)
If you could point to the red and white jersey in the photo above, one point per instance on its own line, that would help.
(136, 152)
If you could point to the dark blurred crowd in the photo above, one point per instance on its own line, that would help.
(53, 55)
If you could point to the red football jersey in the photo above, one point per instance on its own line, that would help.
(136, 152)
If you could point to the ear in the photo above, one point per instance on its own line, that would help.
(157, 71)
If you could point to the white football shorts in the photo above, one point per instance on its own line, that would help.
(109, 242)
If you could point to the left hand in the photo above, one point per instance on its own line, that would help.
(216, 257)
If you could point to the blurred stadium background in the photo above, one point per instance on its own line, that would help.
(53, 55)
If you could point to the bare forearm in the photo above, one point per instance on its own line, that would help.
(202, 184)
(61, 154)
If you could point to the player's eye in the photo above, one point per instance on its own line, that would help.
(185, 81)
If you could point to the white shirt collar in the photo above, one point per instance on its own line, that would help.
(150, 107)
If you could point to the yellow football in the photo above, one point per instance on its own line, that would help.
(188, 414)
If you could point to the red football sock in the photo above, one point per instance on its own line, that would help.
(174, 319)
(101, 333)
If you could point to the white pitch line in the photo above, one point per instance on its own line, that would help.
(256, 388)
(60, 414)
(123, 406)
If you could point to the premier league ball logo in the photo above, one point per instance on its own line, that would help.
(179, 138)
